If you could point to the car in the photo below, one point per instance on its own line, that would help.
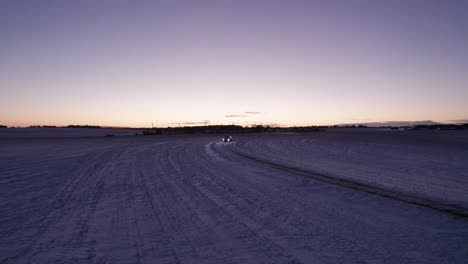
(227, 139)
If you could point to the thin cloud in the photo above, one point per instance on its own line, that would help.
(235, 115)
(253, 112)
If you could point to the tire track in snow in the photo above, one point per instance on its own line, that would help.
(56, 211)
(272, 213)
(158, 192)
(217, 214)
(178, 203)
(407, 198)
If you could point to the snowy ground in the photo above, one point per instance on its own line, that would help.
(428, 164)
(64, 132)
(193, 199)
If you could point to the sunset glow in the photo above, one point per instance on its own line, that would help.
(133, 63)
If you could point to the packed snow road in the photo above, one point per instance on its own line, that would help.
(192, 199)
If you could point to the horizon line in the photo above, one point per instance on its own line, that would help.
(271, 124)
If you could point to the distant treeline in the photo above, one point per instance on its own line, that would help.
(220, 129)
(82, 126)
(69, 126)
(38, 126)
(346, 126)
(226, 129)
(441, 127)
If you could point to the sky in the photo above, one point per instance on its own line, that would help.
(133, 63)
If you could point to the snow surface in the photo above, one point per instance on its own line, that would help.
(65, 132)
(429, 164)
(191, 199)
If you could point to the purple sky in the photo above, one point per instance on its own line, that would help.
(131, 63)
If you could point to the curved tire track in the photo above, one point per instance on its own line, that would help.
(407, 198)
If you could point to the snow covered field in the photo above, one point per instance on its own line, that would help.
(427, 164)
(194, 199)
(64, 132)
